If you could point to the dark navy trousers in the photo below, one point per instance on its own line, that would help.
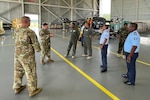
(131, 67)
(104, 56)
(82, 40)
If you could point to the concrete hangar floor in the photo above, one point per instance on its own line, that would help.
(77, 79)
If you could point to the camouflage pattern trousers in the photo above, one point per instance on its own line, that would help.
(45, 52)
(121, 47)
(25, 66)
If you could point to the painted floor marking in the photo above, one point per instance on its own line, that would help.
(139, 61)
(111, 95)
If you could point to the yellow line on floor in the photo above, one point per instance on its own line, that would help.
(111, 95)
(139, 61)
(142, 62)
(7, 45)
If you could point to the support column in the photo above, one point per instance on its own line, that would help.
(93, 6)
(22, 4)
(71, 10)
(122, 9)
(9, 11)
(137, 10)
(100, 8)
(40, 14)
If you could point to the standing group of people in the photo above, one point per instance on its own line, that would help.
(87, 41)
(129, 44)
(26, 43)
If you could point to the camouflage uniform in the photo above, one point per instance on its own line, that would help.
(123, 33)
(73, 40)
(45, 43)
(26, 43)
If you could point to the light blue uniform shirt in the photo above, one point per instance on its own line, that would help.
(105, 35)
(133, 39)
(82, 28)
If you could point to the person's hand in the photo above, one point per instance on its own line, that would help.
(80, 37)
(118, 37)
(101, 47)
(128, 58)
(52, 34)
(101, 31)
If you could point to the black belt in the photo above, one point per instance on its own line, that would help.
(129, 53)
(104, 45)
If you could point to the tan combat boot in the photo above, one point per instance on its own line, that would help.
(50, 60)
(17, 91)
(35, 92)
(42, 62)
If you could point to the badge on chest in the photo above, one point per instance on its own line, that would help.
(85, 30)
(72, 30)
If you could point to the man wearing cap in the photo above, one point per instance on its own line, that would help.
(45, 43)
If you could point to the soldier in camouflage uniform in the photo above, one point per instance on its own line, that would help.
(45, 43)
(122, 35)
(73, 39)
(26, 43)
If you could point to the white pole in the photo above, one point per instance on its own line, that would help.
(40, 14)
(71, 10)
(22, 7)
(137, 10)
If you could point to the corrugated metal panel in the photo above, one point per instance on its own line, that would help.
(9, 11)
(144, 9)
(131, 9)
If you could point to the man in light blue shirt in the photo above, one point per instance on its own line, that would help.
(82, 28)
(131, 48)
(82, 38)
(104, 46)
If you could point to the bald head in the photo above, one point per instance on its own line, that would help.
(25, 21)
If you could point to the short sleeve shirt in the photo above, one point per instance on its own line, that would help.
(105, 35)
(82, 28)
(133, 39)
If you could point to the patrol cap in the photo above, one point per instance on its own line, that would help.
(107, 24)
(73, 23)
(125, 23)
(44, 24)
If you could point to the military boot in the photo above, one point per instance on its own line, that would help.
(18, 90)
(42, 62)
(50, 60)
(35, 92)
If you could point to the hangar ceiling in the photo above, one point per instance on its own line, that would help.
(48, 10)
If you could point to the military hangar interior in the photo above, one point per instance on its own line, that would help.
(78, 78)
